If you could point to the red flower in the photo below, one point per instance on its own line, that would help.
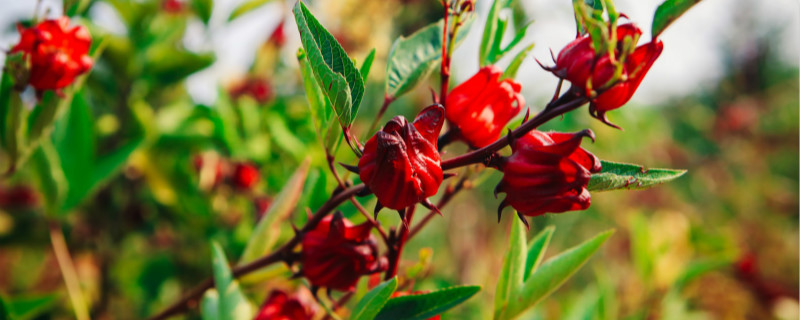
(400, 163)
(482, 106)
(57, 53)
(278, 37)
(280, 306)
(336, 254)
(245, 175)
(578, 61)
(257, 88)
(17, 197)
(547, 172)
(172, 6)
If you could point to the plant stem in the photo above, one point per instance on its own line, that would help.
(571, 100)
(283, 253)
(398, 243)
(387, 100)
(68, 272)
(446, 197)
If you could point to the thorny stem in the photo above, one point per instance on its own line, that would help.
(331, 159)
(387, 100)
(396, 247)
(570, 100)
(446, 197)
(283, 253)
(68, 272)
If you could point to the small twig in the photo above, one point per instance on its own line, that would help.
(387, 100)
(331, 159)
(446, 197)
(398, 243)
(68, 272)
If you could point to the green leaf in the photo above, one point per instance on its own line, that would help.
(511, 71)
(491, 49)
(246, 7)
(700, 267)
(230, 302)
(203, 8)
(615, 175)
(367, 65)
(373, 301)
(269, 227)
(424, 306)
(552, 274)
(27, 307)
(167, 65)
(411, 60)
(511, 276)
(536, 250)
(318, 104)
(49, 175)
(334, 70)
(668, 12)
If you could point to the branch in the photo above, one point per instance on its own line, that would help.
(283, 253)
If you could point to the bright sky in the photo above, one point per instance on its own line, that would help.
(692, 56)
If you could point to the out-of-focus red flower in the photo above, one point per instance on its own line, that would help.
(401, 164)
(482, 106)
(257, 88)
(407, 293)
(18, 197)
(245, 176)
(172, 6)
(57, 53)
(278, 37)
(281, 306)
(547, 172)
(336, 254)
(586, 69)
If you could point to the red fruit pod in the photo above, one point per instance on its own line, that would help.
(547, 172)
(245, 176)
(336, 253)
(57, 53)
(401, 164)
(281, 306)
(635, 68)
(482, 106)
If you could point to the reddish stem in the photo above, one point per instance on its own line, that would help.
(398, 243)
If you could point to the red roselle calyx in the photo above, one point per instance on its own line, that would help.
(579, 64)
(547, 172)
(257, 88)
(245, 176)
(336, 253)
(281, 306)
(57, 53)
(482, 106)
(401, 164)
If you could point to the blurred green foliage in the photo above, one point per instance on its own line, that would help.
(138, 216)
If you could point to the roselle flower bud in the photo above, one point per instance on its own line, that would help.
(547, 172)
(172, 6)
(336, 253)
(278, 37)
(57, 53)
(245, 175)
(400, 163)
(482, 106)
(579, 64)
(281, 306)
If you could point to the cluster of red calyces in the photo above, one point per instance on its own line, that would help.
(401, 164)
(336, 253)
(281, 306)
(241, 175)
(482, 106)
(579, 64)
(56, 52)
(547, 172)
